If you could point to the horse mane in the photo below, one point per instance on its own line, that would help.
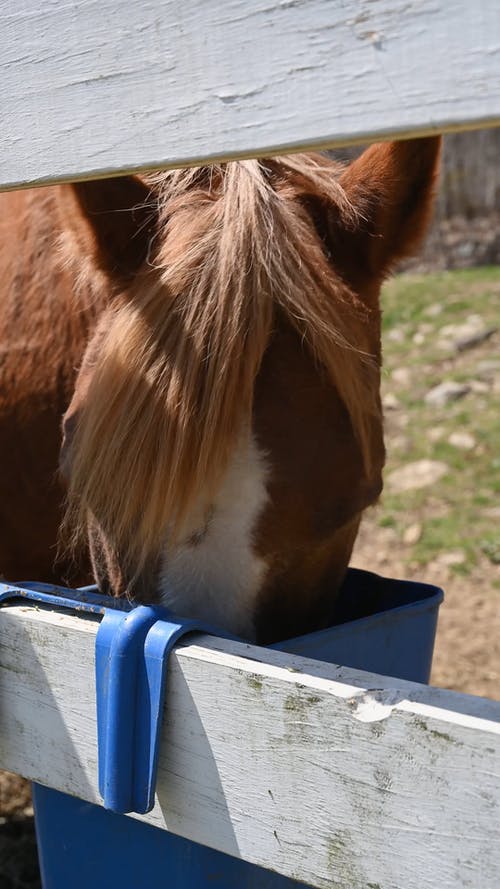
(172, 380)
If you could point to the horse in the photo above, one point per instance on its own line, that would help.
(211, 337)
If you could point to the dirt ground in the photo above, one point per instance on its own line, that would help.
(467, 652)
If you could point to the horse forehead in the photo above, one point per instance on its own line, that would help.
(297, 410)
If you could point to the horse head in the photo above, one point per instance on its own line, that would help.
(225, 433)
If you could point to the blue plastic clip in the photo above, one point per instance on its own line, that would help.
(131, 664)
(132, 649)
(131, 669)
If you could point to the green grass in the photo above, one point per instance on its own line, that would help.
(454, 512)
(406, 297)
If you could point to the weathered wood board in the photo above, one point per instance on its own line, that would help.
(329, 775)
(94, 87)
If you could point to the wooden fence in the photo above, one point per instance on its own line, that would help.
(331, 776)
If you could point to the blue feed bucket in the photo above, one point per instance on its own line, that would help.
(385, 626)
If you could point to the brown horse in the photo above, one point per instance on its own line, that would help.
(224, 431)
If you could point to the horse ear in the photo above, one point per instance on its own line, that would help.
(121, 217)
(391, 185)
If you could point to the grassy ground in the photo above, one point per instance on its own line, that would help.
(446, 530)
(469, 492)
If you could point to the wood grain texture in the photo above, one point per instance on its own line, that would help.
(99, 86)
(332, 776)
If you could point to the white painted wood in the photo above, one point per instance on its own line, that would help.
(329, 775)
(94, 87)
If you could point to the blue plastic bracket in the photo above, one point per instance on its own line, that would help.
(131, 669)
(132, 649)
(84, 599)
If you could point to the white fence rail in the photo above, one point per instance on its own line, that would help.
(98, 86)
(325, 774)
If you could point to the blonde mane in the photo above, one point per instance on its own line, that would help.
(171, 385)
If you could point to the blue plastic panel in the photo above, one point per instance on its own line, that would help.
(82, 846)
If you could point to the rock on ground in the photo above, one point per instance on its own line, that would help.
(418, 474)
(446, 392)
(462, 440)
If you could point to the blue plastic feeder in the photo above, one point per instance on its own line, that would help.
(383, 626)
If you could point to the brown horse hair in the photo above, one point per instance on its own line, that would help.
(171, 385)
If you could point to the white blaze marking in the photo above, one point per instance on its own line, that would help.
(218, 578)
